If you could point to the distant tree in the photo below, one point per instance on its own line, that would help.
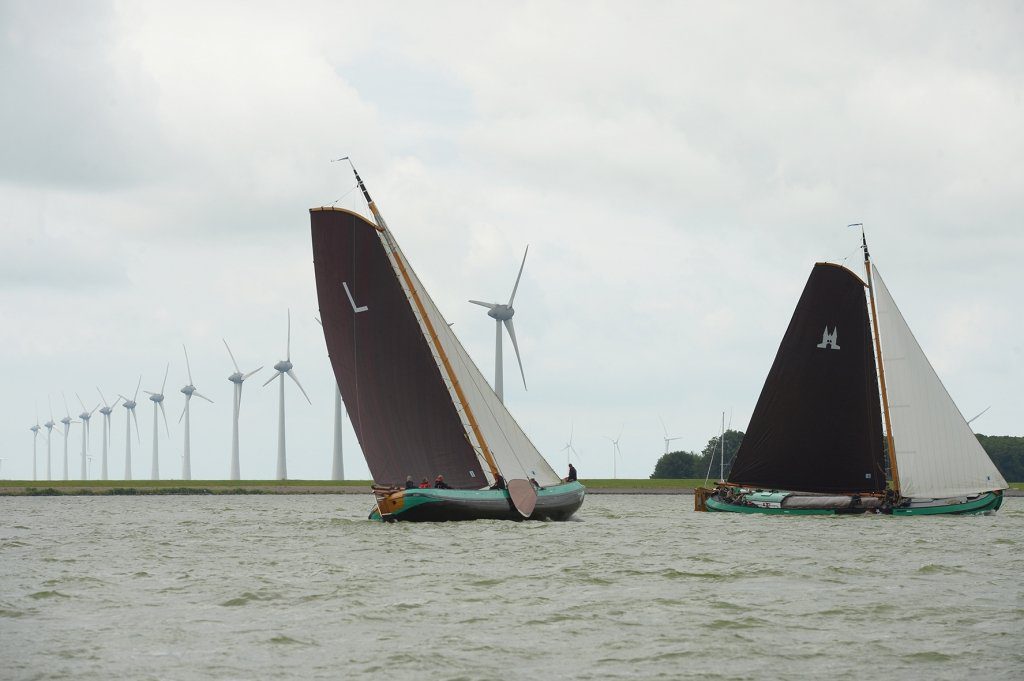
(1007, 453)
(709, 456)
(676, 465)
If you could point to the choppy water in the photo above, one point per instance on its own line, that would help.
(640, 587)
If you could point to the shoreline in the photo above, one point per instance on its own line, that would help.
(186, 488)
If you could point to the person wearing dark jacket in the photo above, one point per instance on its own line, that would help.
(572, 474)
(409, 484)
(439, 483)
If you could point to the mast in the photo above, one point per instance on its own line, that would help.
(392, 245)
(881, 365)
(721, 459)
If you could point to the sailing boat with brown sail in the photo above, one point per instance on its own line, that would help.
(815, 440)
(418, 404)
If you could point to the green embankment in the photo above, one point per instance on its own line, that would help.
(129, 487)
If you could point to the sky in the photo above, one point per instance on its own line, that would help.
(676, 169)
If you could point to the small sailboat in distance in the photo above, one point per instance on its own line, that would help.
(419, 406)
(816, 443)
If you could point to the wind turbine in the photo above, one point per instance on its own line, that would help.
(284, 367)
(130, 406)
(616, 452)
(237, 378)
(35, 436)
(504, 313)
(569, 450)
(49, 433)
(158, 404)
(85, 416)
(337, 461)
(105, 410)
(189, 390)
(67, 421)
(667, 438)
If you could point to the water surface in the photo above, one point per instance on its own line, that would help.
(299, 587)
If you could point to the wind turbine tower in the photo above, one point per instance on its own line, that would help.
(284, 367)
(189, 390)
(503, 313)
(105, 410)
(158, 405)
(49, 433)
(337, 460)
(569, 450)
(130, 405)
(35, 437)
(85, 416)
(237, 378)
(67, 421)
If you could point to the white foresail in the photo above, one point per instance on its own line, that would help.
(937, 453)
(513, 453)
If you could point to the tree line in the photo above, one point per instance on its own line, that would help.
(1007, 452)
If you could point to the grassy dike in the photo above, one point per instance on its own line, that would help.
(145, 487)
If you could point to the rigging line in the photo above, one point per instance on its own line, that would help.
(354, 187)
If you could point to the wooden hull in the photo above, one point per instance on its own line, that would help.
(985, 502)
(558, 502)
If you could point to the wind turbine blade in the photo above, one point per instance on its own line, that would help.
(123, 397)
(195, 394)
(663, 425)
(232, 356)
(164, 384)
(291, 374)
(489, 306)
(65, 403)
(164, 412)
(149, 393)
(514, 288)
(317, 320)
(288, 354)
(271, 379)
(250, 373)
(102, 397)
(137, 386)
(183, 411)
(136, 419)
(81, 402)
(187, 365)
(94, 410)
(982, 412)
(512, 334)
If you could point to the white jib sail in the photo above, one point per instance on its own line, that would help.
(513, 452)
(937, 453)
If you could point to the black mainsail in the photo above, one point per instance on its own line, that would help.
(395, 395)
(817, 423)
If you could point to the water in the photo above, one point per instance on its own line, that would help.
(640, 587)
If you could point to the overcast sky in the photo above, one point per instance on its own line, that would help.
(676, 169)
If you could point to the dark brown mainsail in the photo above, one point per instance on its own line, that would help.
(395, 395)
(817, 423)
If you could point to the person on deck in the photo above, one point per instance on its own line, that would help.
(409, 484)
(424, 484)
(572, 474)
(439, 483)
(499, 482)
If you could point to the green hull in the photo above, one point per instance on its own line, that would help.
(988, 502)
(558, 502)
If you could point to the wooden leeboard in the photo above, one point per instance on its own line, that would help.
(523, 495)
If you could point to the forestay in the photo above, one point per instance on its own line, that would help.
(937, 453)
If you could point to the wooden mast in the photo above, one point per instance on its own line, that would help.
(881, 366)
(382, 227)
